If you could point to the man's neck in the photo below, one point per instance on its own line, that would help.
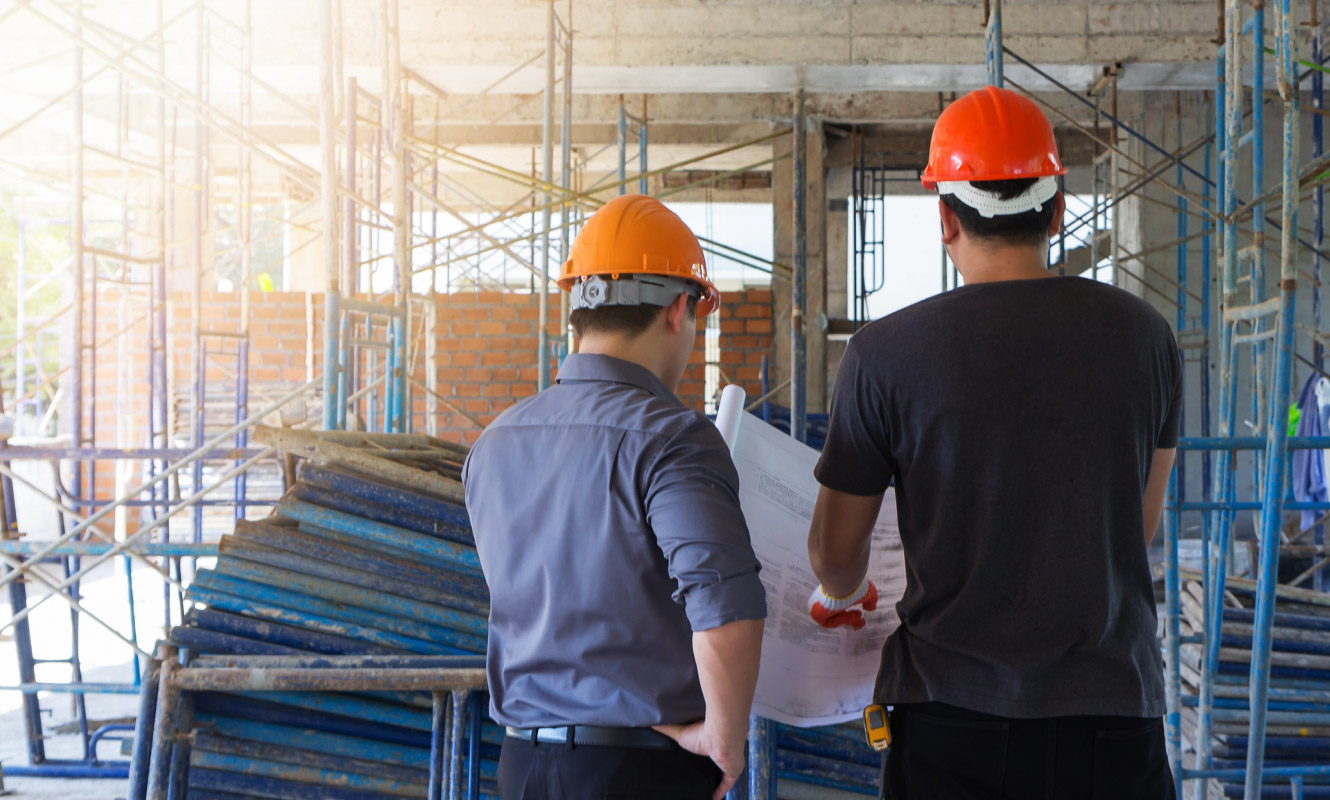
(991, 264)
(638, 350)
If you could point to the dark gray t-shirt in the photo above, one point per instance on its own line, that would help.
(1019, 420)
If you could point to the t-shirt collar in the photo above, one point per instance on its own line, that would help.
(596, 367)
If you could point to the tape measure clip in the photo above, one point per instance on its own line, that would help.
(877, 730)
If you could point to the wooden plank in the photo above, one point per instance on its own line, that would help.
(1193, 614)
(1307, 596)
(310, 446)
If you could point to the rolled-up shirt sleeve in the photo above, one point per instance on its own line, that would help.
(692, 506)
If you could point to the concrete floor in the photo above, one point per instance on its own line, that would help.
(65, 743)
(105, 659)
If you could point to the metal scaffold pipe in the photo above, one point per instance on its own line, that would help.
(993, 41)
(328, 208)
(622, 141)
(158, 435)
(566, 146)
(799, 293)
(102, 513)
(122, 546)
(1276, 454)
(1228, 123)
(245, 221)
(547, 175)
(1257, 282)
(399, 326)
(436, 150)
(585, 199)
(349, 278)
(76, 240)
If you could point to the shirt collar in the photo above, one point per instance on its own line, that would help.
(595, 367)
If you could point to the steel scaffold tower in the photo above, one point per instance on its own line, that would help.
(193, 220)
(1244, 321)
(1267, 323)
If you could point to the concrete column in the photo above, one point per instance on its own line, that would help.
(782, 208)
(1127, 235)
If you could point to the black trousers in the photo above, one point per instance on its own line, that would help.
(948, 753)
(543, 771)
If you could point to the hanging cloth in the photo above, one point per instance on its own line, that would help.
(1323, 401)
(1309, 467)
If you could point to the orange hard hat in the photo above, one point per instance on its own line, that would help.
(991, 134)
(637, 235)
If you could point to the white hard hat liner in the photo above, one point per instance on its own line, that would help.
(989, 206)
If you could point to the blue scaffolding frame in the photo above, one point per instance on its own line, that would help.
(1243, 324)
(1268, 324)
(632, 126)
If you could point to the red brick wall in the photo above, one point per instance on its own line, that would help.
(486, 356)
(487, 353)
(745, 336)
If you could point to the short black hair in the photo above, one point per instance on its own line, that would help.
(632, 321)
(1027, 227)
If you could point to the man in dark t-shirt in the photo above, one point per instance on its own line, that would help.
(1029, 424)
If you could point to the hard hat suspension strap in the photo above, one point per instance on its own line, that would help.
(988, 205)
(630, 290)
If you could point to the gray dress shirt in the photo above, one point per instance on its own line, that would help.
(607, 519)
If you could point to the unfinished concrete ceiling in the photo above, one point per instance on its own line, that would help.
(712, 73)
(692, 46)
(736, 46)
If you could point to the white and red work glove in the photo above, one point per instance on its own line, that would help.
(833, 612)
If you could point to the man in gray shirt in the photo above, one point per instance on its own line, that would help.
(626, 610)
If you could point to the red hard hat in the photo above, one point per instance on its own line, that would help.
(991, 134)
(637, 235)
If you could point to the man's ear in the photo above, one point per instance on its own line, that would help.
(951, 224)
(1059, 211)
(674, 313)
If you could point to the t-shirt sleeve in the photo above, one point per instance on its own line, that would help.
(692, 505)
(1169, 431)
(856, 458)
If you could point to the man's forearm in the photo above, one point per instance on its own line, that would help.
(839, 577)
(1156, 488)
(727, 659)
(840, 539)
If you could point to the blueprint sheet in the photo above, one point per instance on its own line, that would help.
(808, 675)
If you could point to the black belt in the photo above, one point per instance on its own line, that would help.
(596, 735)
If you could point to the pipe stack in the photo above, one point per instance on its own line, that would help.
(1298, 722)
(353, 564)
(348, 564)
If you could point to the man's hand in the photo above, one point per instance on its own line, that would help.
(729, 756)
(727, 658)
(834, 612)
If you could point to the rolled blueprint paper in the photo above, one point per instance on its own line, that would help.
(728, 414)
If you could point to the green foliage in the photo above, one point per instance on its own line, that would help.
(266, 246)
(33, 226)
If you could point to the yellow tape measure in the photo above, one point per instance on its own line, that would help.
(876, 729)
